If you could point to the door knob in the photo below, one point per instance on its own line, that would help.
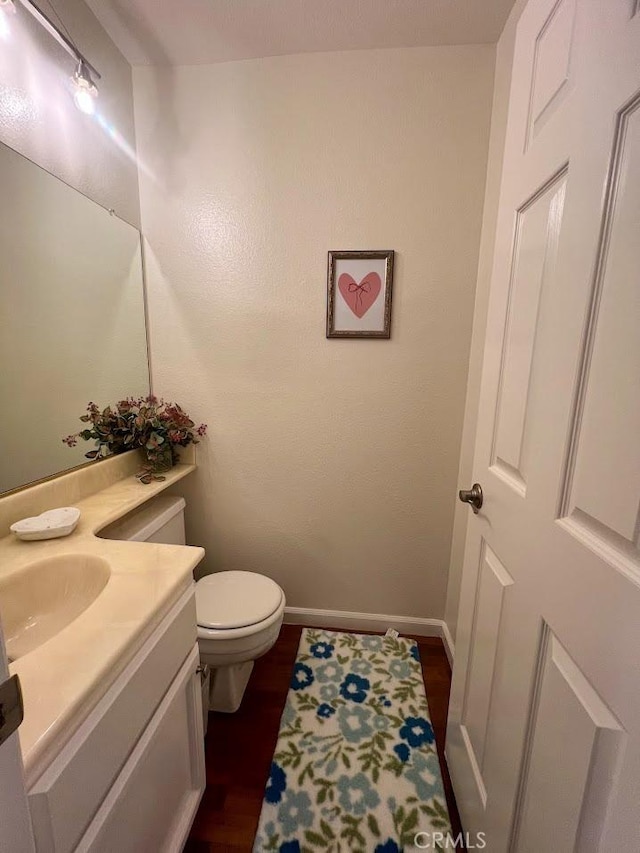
(472, 496)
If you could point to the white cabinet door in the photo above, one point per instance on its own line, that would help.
(66, 796)
(16, 835)
(154, 800)
(544, 729)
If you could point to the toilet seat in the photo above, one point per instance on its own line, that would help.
(239, 616)
(234, 600)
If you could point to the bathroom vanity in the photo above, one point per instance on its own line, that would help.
(112, 739)
(101, 633)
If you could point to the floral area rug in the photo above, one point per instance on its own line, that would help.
(355, 768)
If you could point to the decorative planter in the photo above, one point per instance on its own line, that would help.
(157, 462)
(160, 459)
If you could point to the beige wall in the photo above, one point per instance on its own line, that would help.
(38, 117)
(331, 465)
(502, 84)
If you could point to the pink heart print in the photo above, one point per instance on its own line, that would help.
(360, 296)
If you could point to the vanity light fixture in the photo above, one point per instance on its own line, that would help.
(85, 90)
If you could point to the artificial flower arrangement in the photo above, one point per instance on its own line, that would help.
(139, 422)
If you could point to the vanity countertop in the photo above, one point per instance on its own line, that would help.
(64, 678)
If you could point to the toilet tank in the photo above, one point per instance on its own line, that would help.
(159, 520)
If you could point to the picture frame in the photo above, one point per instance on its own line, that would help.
(359, 291)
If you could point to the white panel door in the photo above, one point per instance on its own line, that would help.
(543, 738)
(16, 835)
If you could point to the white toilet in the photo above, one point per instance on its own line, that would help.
(239, 619)
(239, 613)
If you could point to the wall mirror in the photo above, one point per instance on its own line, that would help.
(72, 318)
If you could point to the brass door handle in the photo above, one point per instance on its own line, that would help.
(472, 496)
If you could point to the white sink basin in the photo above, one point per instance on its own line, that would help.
(38, 602)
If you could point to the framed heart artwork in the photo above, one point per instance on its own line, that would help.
(359, 294)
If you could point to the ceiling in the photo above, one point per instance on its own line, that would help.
(196, 32)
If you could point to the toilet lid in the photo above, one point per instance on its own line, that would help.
(235, 599)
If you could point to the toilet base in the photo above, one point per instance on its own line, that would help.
(228, 684)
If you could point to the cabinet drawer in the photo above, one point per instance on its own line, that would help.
(67, 795)
(154, 800)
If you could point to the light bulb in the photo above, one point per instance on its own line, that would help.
(85, 91)
(84, 101)
(7, 6)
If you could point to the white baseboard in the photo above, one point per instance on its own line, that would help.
(449, 645)
(351, 621)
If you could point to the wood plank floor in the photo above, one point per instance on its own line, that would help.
(239, 746)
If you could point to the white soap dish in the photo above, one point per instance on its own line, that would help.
(50, 525)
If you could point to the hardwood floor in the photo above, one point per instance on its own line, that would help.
(239, 746)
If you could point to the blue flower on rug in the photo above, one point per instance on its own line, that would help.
(354, 688)
(389, 846)
(425, 775)
(402, 751)
(400, 668)
(302, 676)
(295, 812)
(373, 644)
(416, 731)
(415, 652)
(362, 667)
(288, 715)
(381, 723)
(290, 847)
(329, 672)
(329, 692)
(325, 710)
(276, 785)
(321, 650)
(354, 723)
(356, 794)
